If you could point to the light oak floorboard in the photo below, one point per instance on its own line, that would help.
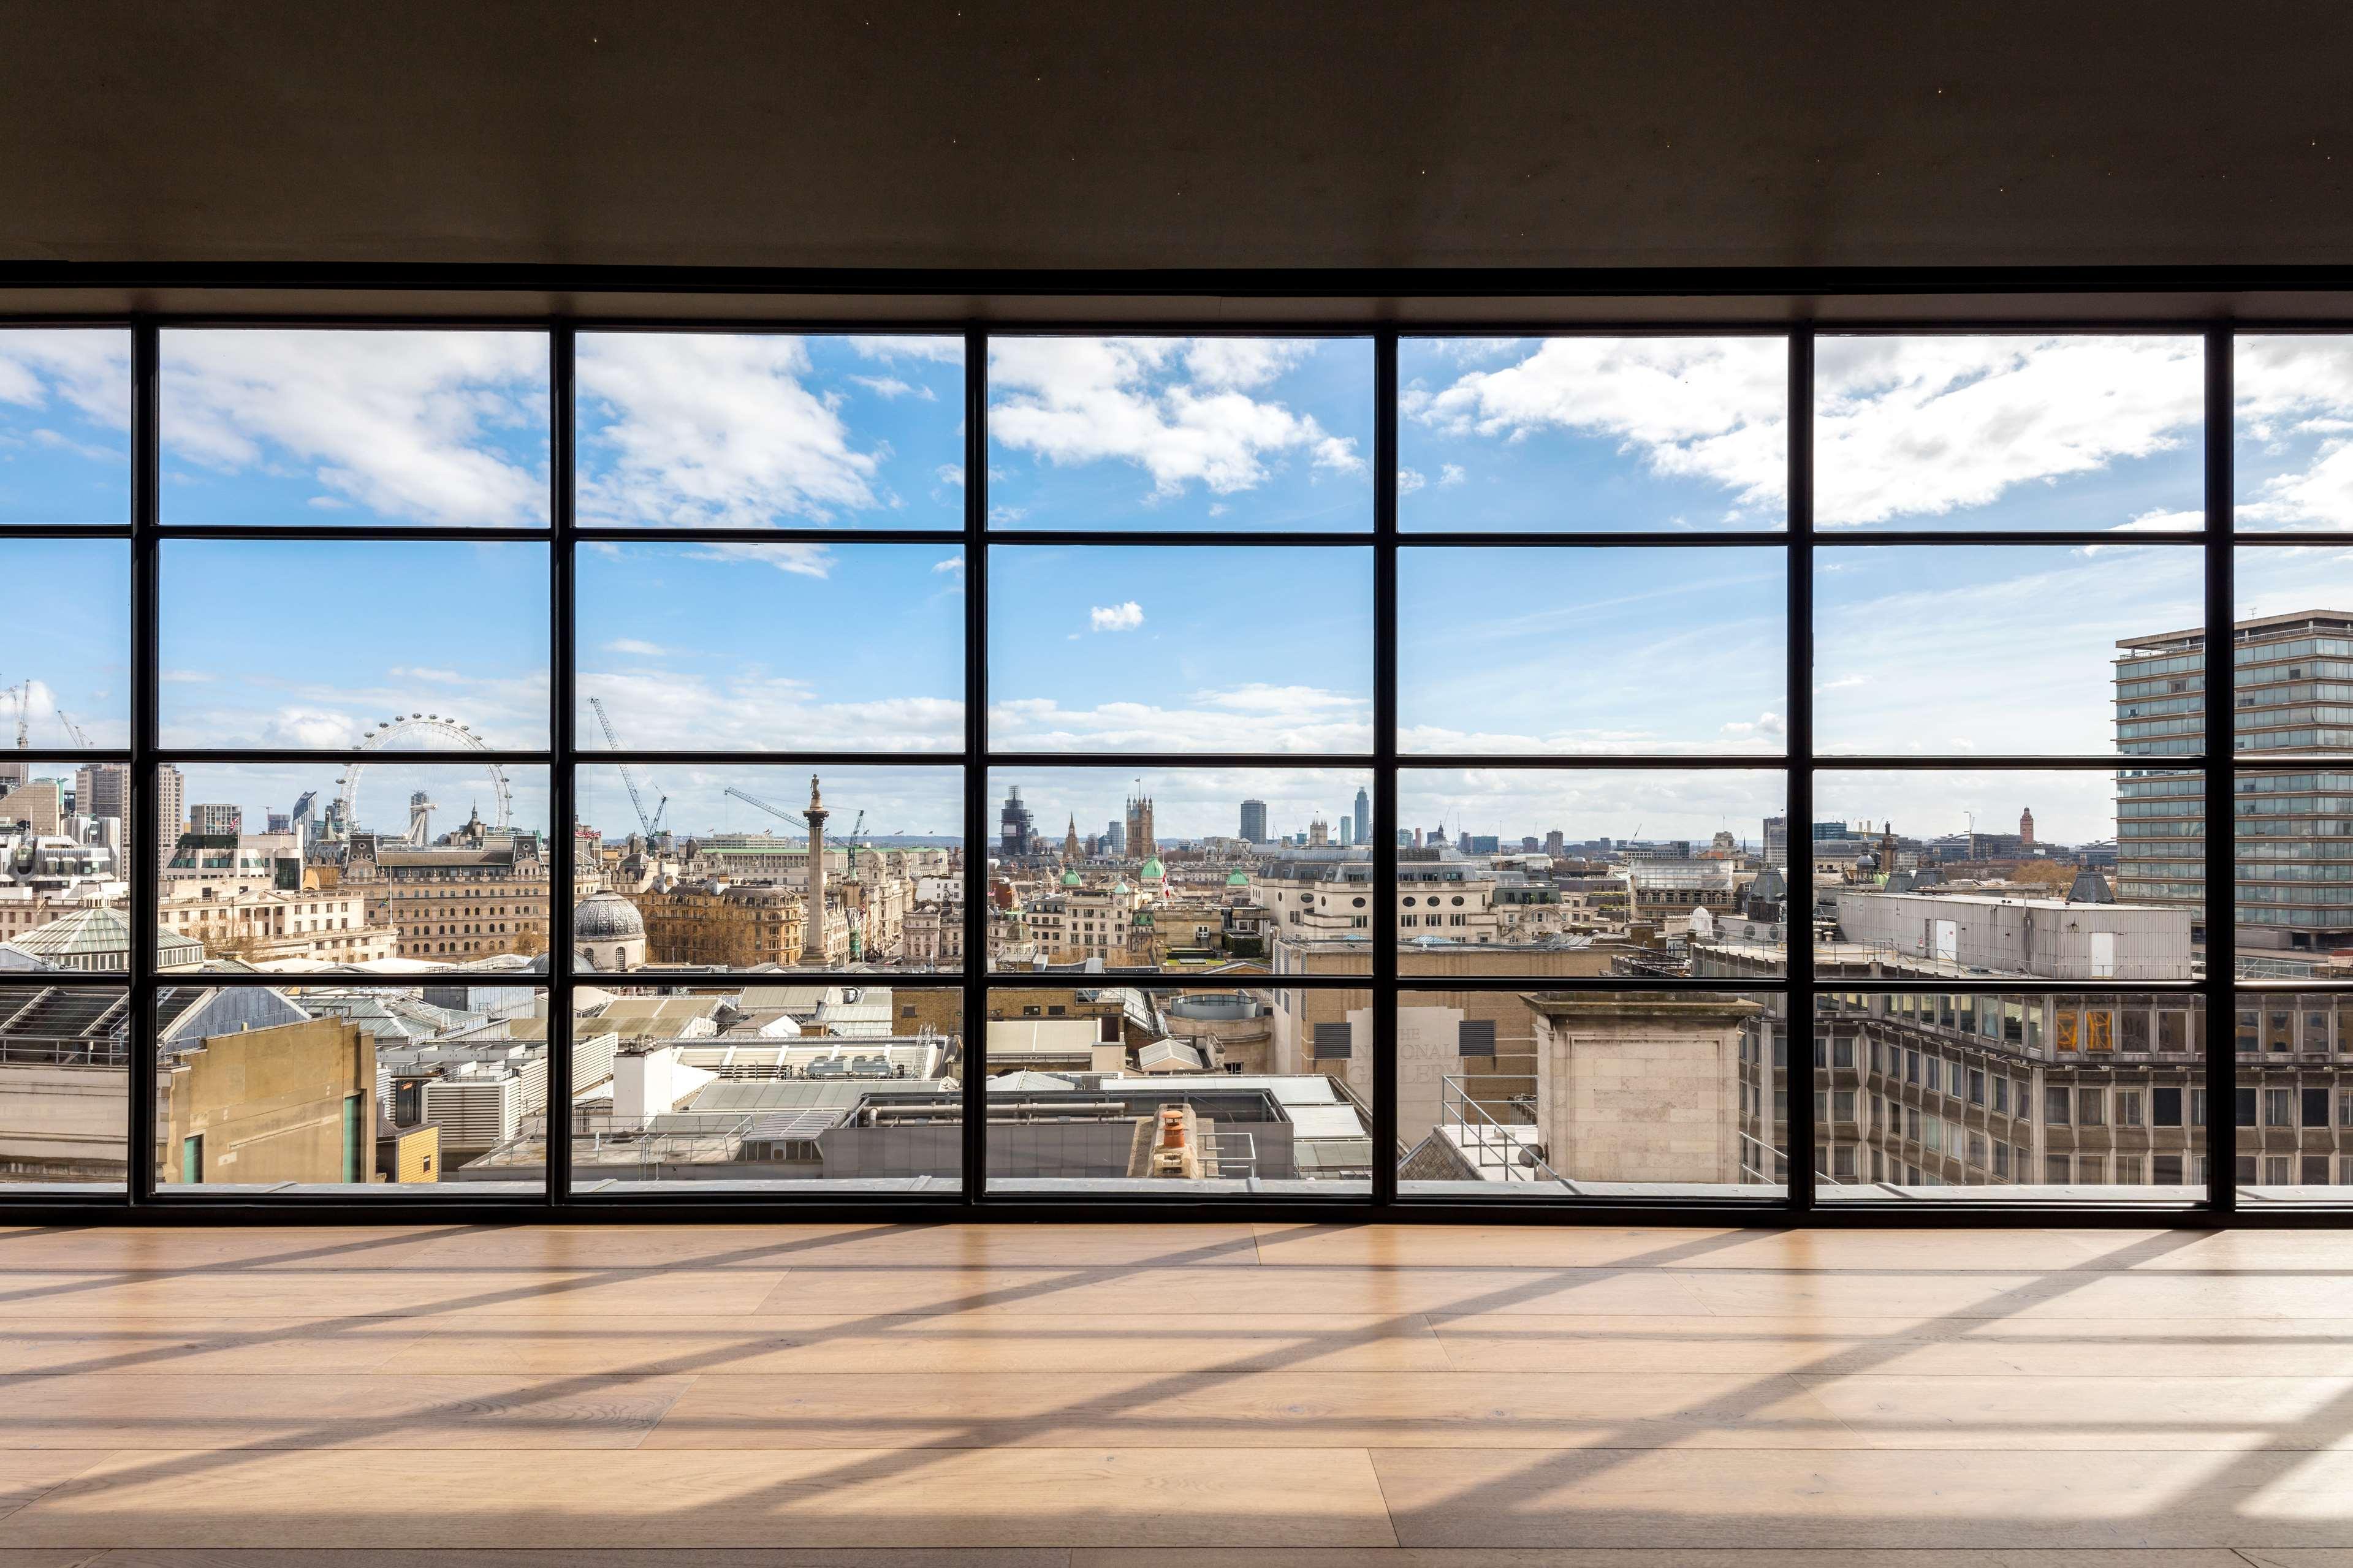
(1261, 1410)
(1830, 1499)
(249, 1410)
(590, 1498)
(922, 1345)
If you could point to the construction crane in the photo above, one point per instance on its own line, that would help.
(651, 825)
(777, 811)
(851, 848)
(22, 694)
(74, 730)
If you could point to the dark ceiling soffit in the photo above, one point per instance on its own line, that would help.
(1336, 297)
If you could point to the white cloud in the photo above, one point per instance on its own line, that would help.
(952, 564)
(1905, 427)
(643, 649)
(1247, 719)
(949, 474)
(891, 387)
(713, 430)
(757, 710)
(89, 370)
(803, 560)
(2294, 394)
(938, 348)
(1765, 727)
(400, 422)
(1921, 426)
(439, 676)
(1707, 407)
(1124, 618)
(187, 678)
(1180, 409)
(1450, 474)
(1410, 481)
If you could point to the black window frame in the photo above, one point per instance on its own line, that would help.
(757, 302)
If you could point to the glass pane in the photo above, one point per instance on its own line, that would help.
(1135, 649)
(455, 661)
(2295, 407)
(1607, 872)
(1175, 872)
(1985, 1094)
(2294, 1101)
(1218, 1089)
(65, 664)
(1591, 1094)
(2005, 649)
(849, 1088)
(2294, 870)
(698, 867)
(2291, 682)
(299, 427)
(1165, 433)
(720, 430)
(65, 426)
(1996, 873)
(365, 868)
(350, 1090)
(1673, 650)
(2077, 432)
(873, 659)
(65, 1090)
(1593, 434)
(65, 865)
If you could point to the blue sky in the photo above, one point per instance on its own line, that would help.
(1566, 650)
(773, 647)
(1167, 433)
(379, 427)
(65, 426)
(1172, 648)
(2293, 442)
(720, 430)
(309, 643)
(1592, 434)
(70, 635)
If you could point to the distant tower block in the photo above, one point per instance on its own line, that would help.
(2026, 829)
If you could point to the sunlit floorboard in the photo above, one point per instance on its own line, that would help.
(1173, 1397)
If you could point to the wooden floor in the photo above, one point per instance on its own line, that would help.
(1207, 1395)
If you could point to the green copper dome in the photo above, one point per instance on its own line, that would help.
(1069, 879)
(1152, 867)
(1238, 878)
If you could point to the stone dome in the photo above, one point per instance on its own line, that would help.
(606, 916)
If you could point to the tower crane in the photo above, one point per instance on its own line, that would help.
(651, 825)
(851, 845)
(74, 730)
(777, 811)
(22, 695)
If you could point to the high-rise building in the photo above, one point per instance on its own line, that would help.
(1013, 825)
(1141, 843)
(2026, 828)
(1348, 830)
(1776, 842)
(1364, 818)
(215, 819)
(2287, 828)
(1557, 844)
(103, 789)
(1254, 821)
(171, 811)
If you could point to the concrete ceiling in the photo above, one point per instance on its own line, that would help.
(1668, 133)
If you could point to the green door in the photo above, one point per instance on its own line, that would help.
(352, 1138)
(191, 1159)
